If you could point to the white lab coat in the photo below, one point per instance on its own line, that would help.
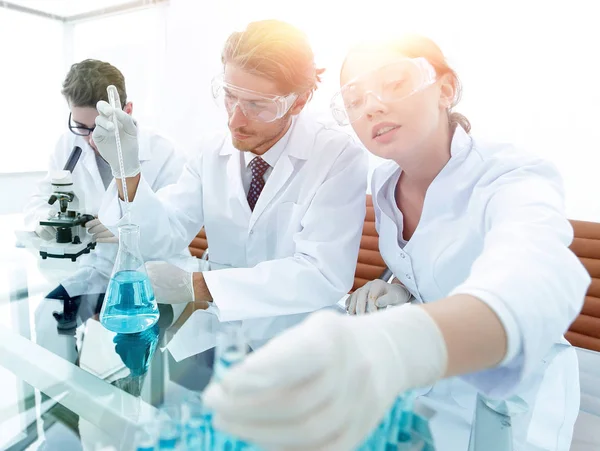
(295, 253)
(493, 226)
(161, 166)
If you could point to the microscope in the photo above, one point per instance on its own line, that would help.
(72, 240)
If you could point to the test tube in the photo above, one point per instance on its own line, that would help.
(231, 348)
(196, 422)
(169, 427)
(115, 102)
(145, 437)
(193, 412)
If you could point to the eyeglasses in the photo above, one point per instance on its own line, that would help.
(388, 84)
(254, 105)
(78, 129)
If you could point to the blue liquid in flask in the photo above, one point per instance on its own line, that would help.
(130, 305)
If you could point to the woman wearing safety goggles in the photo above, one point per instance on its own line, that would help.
(485, 284)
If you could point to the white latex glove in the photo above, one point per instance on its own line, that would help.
(47, 233)
(326, 383)
(104, 137)
(100, 233)
(171, 284)
(376, 294)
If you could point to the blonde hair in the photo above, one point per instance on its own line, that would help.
(275, 50)
(417, 46)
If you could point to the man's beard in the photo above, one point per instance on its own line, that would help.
(251, 144)
(247, 145)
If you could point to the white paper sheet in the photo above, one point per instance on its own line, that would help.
(197, 335)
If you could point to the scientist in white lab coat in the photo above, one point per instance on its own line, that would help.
(84, 86)
(476, 236)
(281, 196)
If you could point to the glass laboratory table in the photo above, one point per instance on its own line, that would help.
(88, 388)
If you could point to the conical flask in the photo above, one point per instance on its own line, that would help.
(129, 306)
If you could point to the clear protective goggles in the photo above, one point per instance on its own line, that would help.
(390, 83)
(254, 105)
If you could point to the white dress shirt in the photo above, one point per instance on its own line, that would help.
(271, 157)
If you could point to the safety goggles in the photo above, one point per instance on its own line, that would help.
(388, 84)
(254, 105)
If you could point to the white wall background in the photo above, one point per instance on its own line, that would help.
(528, 70)
(31, 71)
(134, 43)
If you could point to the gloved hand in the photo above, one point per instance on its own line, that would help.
(326, 383)
(100, 233)
(376, 294)
(171, 284)
(104, 137)
(47, 233)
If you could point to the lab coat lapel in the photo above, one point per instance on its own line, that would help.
(379, 184)
(281, 173)
(88, 163)
(299, 144)
(234, 176)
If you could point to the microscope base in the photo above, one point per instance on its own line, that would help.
(69, 250)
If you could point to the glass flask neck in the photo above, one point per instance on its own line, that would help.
(129, 236)
(129, 257)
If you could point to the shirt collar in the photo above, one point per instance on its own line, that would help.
(272, 155)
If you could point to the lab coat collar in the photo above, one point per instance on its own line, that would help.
(461, 143)
(272, 155)
(144, 142)
(301, 137)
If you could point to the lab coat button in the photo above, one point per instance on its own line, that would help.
(408, 277)
(251, 232)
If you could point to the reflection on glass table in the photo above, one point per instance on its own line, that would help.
(136, 350)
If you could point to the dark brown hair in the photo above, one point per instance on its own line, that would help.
(86, 82)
